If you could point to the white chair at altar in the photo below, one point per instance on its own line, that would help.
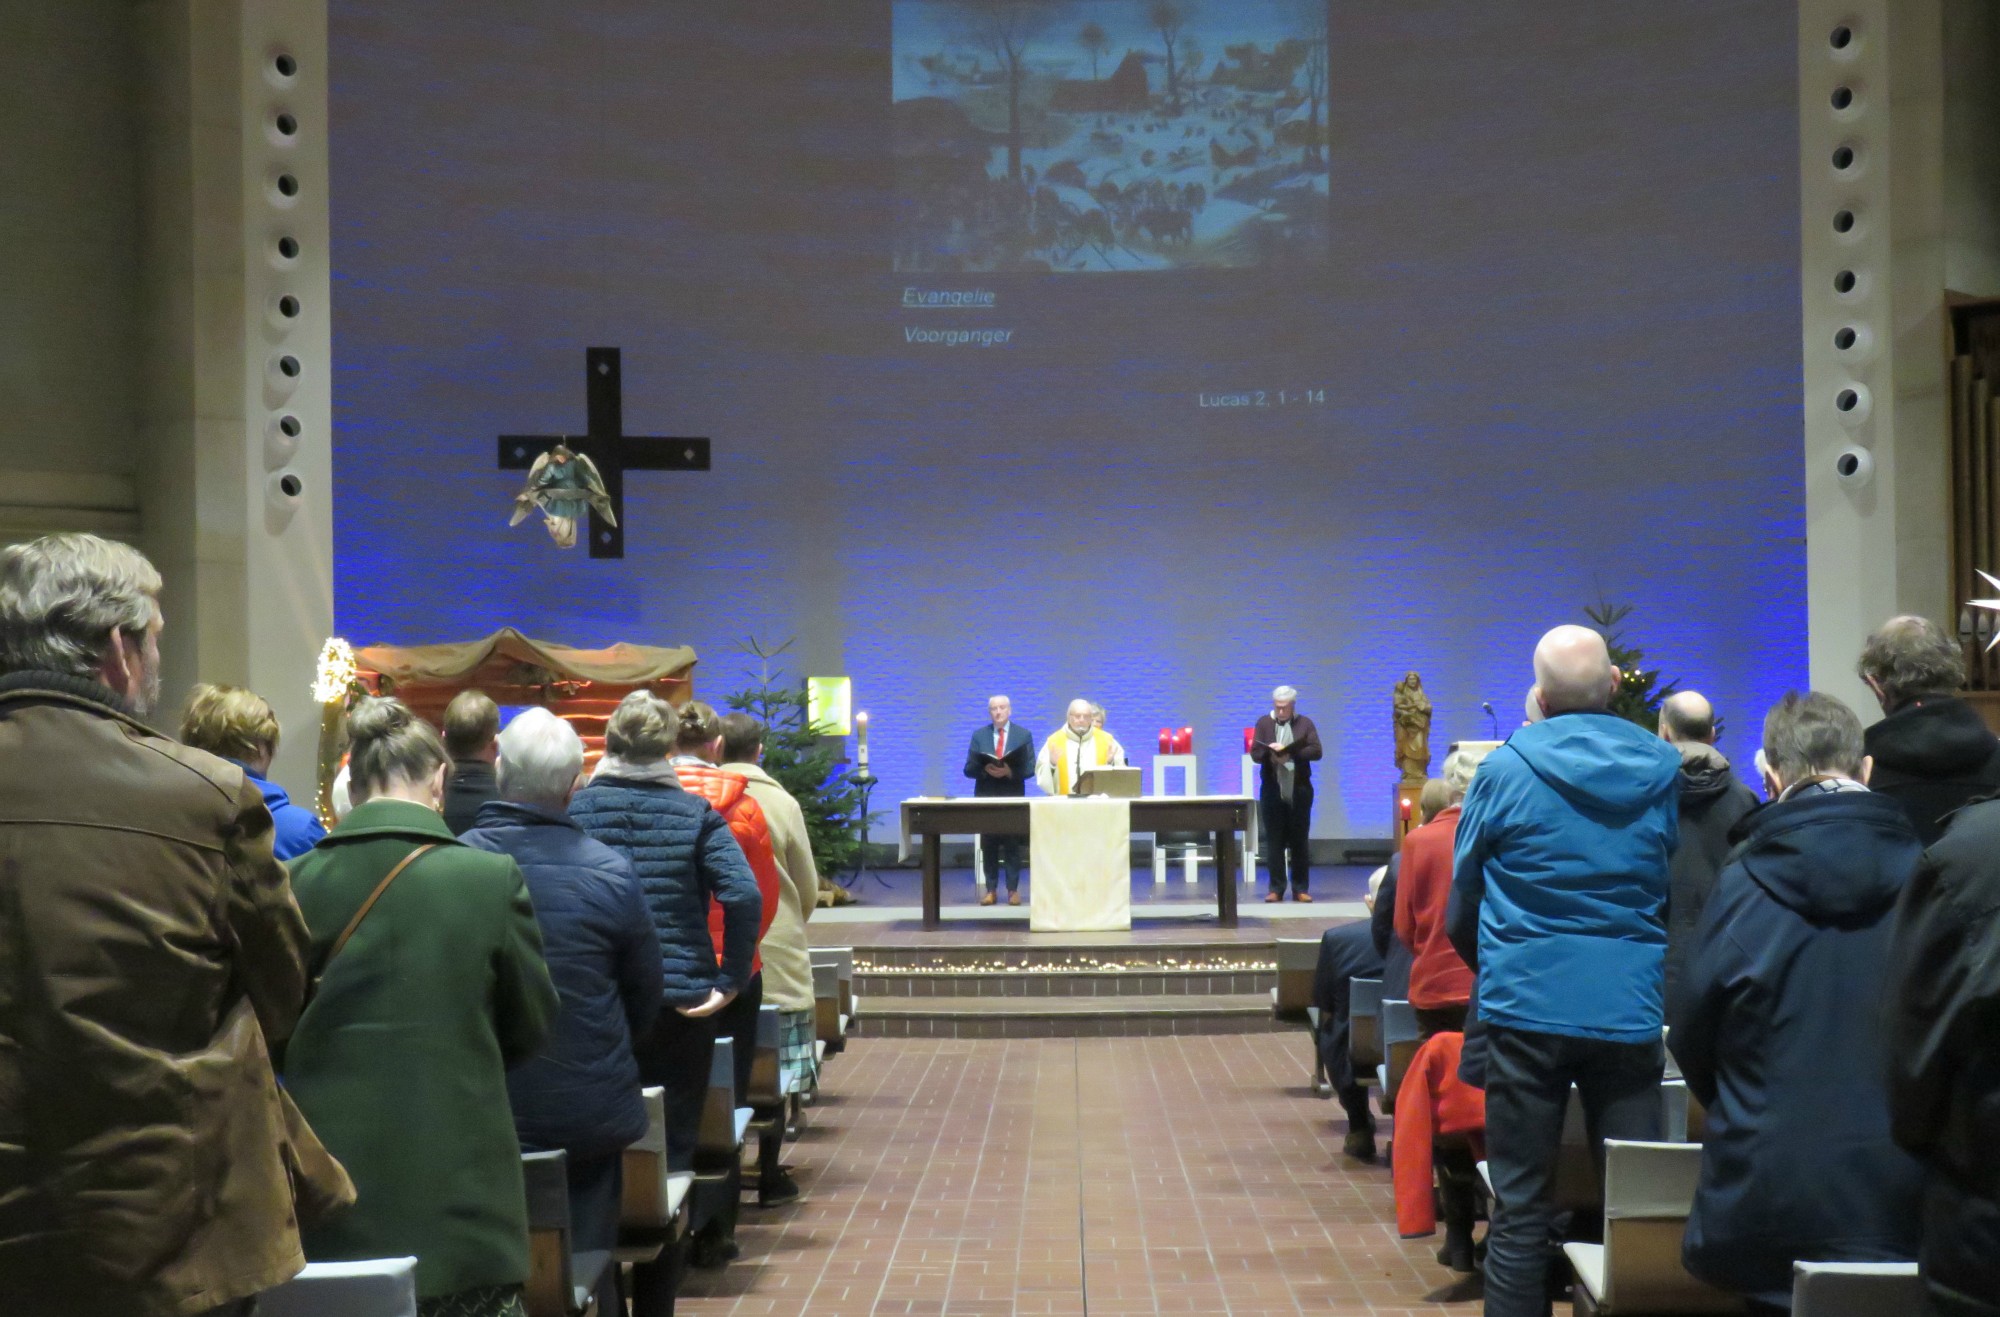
(1190, 851)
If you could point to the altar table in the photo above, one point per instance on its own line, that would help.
(931, 819)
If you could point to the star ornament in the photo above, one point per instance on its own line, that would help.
(1990, 605)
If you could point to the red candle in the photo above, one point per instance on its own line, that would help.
(1249, 738)
(1406, 809)
(1166, 741)
(1184, 743)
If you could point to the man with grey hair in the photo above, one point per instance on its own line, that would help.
(1070, 753)
(580, 1093)
(154, 954)
(1933, 753)
(1558, 888)
(1285, 746)
(999, 760)
(1777, 1022)
(1712, 802)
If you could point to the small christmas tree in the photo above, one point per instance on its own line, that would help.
(797, 753)
(1639, 690)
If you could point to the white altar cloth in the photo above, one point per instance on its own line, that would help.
(1079, 864)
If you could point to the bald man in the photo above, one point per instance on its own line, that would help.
(1079, 747)
(1712, 801)
(1559, 888)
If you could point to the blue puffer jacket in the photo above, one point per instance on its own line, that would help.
(580, 1093)
(296, 829)
(1559, 878)
(684, 856)
(1778, 1028)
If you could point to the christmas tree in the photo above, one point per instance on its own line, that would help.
(1639, 690)
(806, 763)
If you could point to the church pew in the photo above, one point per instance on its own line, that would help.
(1298, 958)
(829, 1021)
(1399, 1048)
(1321, 1085)
(1364, 1026)
(561, 1282)
(718, 1149)
(842, 959)
(653, 1216)
(769, 1096)
(1856, 1289)
(1648, 1192)
(380, 1287)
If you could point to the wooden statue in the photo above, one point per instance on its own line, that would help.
(1413, 728)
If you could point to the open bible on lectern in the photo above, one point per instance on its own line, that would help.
(1120, 782)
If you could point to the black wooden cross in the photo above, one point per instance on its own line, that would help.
(607, 445)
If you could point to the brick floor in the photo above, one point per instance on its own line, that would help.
(1162, 1175)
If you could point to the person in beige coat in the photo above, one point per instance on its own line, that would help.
(788, 982)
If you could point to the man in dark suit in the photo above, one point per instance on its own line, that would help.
(1286, 745)
(1000, 761)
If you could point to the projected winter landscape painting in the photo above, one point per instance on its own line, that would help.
(1104, 135)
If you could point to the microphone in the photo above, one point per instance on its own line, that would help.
(1487, 705)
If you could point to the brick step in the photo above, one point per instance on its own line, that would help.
(1153, 981)
(1061, 954)
(1071, 1017)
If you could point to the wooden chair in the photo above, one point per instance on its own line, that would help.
(1298, 957)
(561, 1282)
(1399, 1047)
(1648, 1192)
(653, 1215)
(718, 1148)
(380, 1287)
(770, 1097)
(1856, 1289)
(1364, 1026)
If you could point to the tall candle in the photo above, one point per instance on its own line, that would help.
(861, 740)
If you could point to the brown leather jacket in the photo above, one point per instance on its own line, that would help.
(146, 933)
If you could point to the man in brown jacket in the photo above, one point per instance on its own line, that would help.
(149, 946)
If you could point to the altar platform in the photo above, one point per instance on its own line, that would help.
(983, 974)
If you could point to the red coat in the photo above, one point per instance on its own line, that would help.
(730, 794)
(1438, 977)
(1432, 1101)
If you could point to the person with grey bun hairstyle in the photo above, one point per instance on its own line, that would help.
(152, 952)
(431, 986)
(1933, 753)
(1777, 1022)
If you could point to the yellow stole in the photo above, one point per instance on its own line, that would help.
(1058, 752)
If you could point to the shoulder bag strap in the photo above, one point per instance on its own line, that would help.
(369, 904)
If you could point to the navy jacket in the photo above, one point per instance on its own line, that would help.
(1944, 1084)
(473, 783)
(1019, 752)
(580, 1093)
(1559, 881)
(684, 855)
(1713, 802)
(1933, 755)
(1777, 1027)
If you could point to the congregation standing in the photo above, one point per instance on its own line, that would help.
(213, 1068)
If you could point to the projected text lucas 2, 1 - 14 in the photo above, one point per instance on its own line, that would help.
(952, 336)
(1228, 398)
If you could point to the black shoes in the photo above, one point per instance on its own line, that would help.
(1360, 1145)
(778, 1191)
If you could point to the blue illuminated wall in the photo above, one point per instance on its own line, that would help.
(1556, 334)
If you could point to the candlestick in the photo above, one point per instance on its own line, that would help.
(861, 740)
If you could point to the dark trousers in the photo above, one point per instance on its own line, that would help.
(1439, 1019)
(738, 1021)
(676, 1057)
(992, 851)
(1346, 952)
(1528, 1078)
(1286, 827)
(595, 1185)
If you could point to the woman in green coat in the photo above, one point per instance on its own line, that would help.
(400, 1060)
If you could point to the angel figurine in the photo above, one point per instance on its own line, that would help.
(563, 484)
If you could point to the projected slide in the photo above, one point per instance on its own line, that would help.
(1100, 136)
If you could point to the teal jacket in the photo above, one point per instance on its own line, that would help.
(400, 1061)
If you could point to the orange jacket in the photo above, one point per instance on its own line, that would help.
(1432, 1101)
(1438, 977)
(730, 794)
